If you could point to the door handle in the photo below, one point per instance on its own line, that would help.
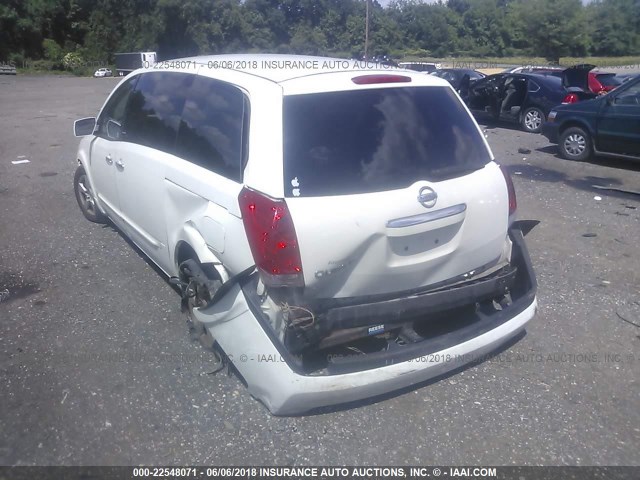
(108, 159)
(120, 164)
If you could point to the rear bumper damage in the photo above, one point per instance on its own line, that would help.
(458, 325)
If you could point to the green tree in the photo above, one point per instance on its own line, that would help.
(308, 40)
(52, 51)
(96, 29)
(614, 27)
(551, 28)
(483, 24)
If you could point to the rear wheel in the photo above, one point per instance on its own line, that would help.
(86, 197)
(198, 291)
(532, 120)
(575, 144)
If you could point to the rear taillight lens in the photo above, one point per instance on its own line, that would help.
(513, 203)
(570, 98)
(272, 238)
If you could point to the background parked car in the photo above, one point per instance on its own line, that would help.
(456, 76)
(103, 72)
(608, 125)
(7, 69)
(426, 67)
(584, 78)
(604, 82)
(524, 98)
(531, 69)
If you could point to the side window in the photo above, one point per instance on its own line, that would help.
(155, 107)
(533, 86)
(449, 77)
(214, 127)
(109, 124)
(629, 97)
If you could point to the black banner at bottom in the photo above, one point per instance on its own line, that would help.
(321, 473)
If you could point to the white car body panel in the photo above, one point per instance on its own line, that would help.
(103, 174)
(140, 173)
(192, 205)
(365, 250)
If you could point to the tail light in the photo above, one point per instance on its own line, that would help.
(272, 238)
(571, 98)
(513, 203)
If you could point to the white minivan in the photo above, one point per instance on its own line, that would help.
(337, 230)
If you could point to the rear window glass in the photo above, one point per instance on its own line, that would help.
(609, 80)
(351, 142)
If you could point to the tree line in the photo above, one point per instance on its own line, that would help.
(93, 30)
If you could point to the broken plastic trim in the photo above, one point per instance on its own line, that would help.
(199, 274)
(397, 310)
(525, 226)
(226, 286)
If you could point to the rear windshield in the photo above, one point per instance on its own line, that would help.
(609, 80)
(351, 142)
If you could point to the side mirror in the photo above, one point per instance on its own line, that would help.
(114, 130)
(84, 126)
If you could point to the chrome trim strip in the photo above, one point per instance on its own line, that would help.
(427, 217)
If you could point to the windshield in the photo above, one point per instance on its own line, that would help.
(609, 80)
(350, 142)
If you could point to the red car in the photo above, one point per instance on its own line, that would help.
(603, 82)
(581, 79)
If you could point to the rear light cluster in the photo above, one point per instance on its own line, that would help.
(272, 238)
(571, 98)
(513, 203)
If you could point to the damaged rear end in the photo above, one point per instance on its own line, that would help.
(391, 256)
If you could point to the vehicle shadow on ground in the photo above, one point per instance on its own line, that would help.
(111, 226)
(611, 162)
(216, 349)
(492, 124)
(550, 150)
(397, 393)
(541, 174)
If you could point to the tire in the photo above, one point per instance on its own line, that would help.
(85, 197)
(197, 295)
(532, 120)
(575, 144)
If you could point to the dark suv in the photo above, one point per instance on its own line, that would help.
(608, 125)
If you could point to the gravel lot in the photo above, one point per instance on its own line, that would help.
(97, 366)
